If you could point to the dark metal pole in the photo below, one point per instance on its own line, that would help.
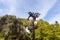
(33, 32)
(34, 15)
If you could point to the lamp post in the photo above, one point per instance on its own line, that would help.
(33, 19)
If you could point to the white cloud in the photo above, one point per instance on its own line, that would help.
(55, 18)
(12, 10)
(43, 6)
(1, 0)
(46, 5)
(11, 6)
(1, 10)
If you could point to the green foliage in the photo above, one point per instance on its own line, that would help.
(13, 28)
(46, 31)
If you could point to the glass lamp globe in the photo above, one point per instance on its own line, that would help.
(37, 19)
(30, 18)
(35, 22)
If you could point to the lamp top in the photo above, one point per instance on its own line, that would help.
(32, 14)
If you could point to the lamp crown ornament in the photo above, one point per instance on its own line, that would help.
(33, 19)
(34, 15)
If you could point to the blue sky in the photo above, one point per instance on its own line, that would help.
(49, 9)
